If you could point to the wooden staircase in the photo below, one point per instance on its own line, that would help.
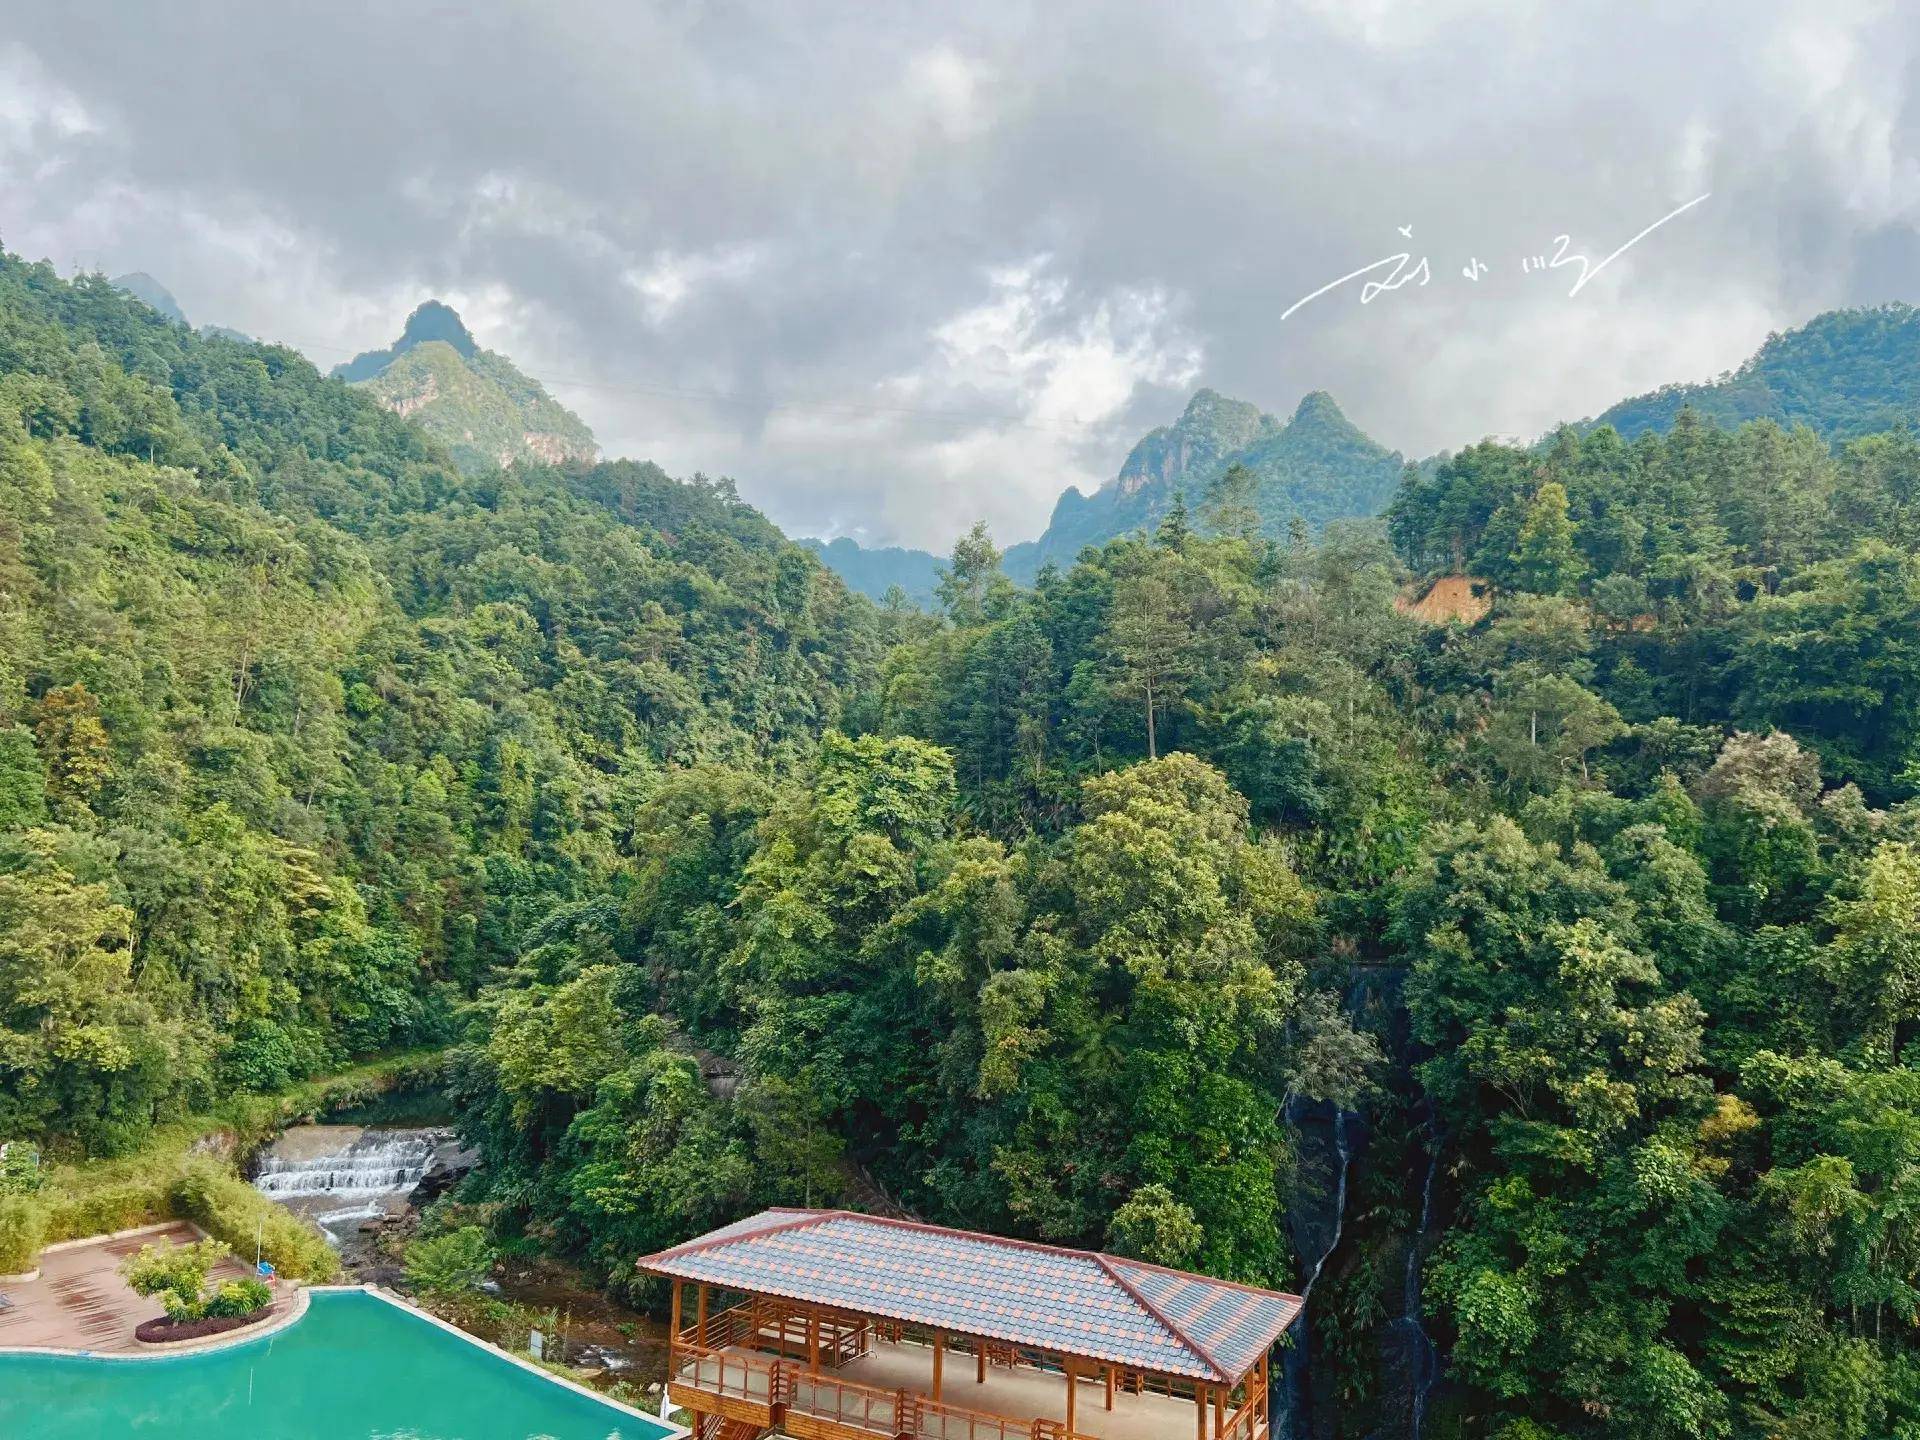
(719, 1427)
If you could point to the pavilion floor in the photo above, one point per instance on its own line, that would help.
(1021, 1393)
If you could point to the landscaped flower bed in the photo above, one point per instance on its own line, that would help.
(162, 1331)
(176, 1276)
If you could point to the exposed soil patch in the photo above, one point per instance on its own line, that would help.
(1454, 599)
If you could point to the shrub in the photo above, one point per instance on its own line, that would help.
(175, 1275)
(23, 1230)
(450, 1264)
(106, 1208)
(19, 1168)
(245, 1296)
(225, 1206)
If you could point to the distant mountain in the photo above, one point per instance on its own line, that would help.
(1200, 443)
(1844, 373)
(145, 288)
(1318, 466)
(150, 292)
(874, 572)
(474, 401)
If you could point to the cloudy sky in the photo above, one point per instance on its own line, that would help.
(899, 267)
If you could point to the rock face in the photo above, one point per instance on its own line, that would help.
(475, 402)
(1212, 429)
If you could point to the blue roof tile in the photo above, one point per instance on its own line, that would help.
(1071, 1302)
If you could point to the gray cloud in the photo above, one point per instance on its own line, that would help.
(895, 270)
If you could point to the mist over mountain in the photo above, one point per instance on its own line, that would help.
(476, 402)
(875, 571)
(149, 291)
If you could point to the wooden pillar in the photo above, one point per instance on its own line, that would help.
(813, 1344)
(673, 1333)
(1200, 1408)
(1109, 1387)
(979, 1361)
(700, 1318)
(1073, 1392)
(939, 1359)
(1220, 1409)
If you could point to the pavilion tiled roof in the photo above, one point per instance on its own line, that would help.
(1072, 1302)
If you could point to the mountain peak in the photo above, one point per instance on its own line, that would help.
(1318, 405)
(486, 412)
(143, 287)
(1210, 427)
(433, 320)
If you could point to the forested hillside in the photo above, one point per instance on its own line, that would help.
(1844, 374)
(1541, 993)
(300, 730)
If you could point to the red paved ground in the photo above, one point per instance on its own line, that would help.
(81, 1303)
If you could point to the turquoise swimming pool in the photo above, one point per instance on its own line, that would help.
(352, 1368)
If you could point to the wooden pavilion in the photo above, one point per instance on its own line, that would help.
(827, 1325)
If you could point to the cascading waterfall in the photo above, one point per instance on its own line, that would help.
(341, 1175)
(1419, 1356)
(1296, 1365)
(377, 1164)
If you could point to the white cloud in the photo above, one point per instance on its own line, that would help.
(1043, 372)
(950, 89)
(670, 279)
(34, 107)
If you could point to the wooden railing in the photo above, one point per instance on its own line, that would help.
(783, 1330)
(856, 1407)
(935, 1420)
(729, 1373)
(727, 1367)
(1244, 1423)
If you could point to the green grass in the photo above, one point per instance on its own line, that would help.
(186, 1168)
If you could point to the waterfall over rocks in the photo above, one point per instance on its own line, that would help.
(1328, 1139)
(1410, 1349)
(341, 1175)
(1368, 1209)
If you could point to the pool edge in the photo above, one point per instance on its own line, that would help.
(674, 1432)
(296, 1308)
(301, 1298)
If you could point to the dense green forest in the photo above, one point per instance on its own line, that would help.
(300, 730)
(1050, 914)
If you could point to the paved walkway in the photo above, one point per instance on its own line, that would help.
(81, 1303)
